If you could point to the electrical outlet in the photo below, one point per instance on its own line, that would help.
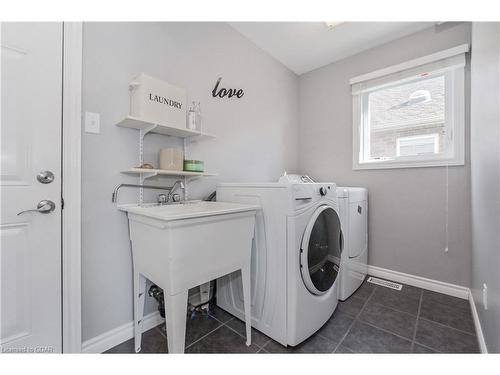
(92, 122)
(485, 296)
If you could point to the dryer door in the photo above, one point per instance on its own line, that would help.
(320, 250)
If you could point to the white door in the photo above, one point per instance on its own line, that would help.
(30, 252)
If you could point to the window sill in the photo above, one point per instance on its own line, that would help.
(408, 164)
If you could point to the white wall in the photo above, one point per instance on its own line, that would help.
(256, 135)
(485, 176)
(407, 206)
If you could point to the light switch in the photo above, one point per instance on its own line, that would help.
(92, 122)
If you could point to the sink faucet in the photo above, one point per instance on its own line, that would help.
(162, 199)
(177, 184)
(114, 196)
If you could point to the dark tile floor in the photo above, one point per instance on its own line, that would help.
(374, 320)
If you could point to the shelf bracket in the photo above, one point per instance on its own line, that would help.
(192, 139)
(149, 128)
(145, 175)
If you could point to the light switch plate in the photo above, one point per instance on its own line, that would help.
(92, 122)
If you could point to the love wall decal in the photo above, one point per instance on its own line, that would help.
(223, 92)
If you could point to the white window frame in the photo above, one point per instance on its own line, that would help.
(451, 64)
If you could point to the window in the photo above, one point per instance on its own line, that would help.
(411, 114)
(417, 145)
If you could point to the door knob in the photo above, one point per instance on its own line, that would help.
(43, 207)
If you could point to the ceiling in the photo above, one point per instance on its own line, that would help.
(305, 46)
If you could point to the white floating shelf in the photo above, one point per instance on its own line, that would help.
(154, 172)
(150, 127)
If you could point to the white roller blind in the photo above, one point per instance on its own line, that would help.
(451, 59)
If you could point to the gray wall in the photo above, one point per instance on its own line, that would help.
(256, 135)
(257, 138)
(407, 206)
(485, 176)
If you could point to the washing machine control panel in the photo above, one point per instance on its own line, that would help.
(310, 193)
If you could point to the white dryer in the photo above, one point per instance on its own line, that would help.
(295, 258)
(353, 205)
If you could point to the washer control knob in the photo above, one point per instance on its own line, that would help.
(323, 191)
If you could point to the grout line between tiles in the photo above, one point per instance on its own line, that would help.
(239, 334)
(263, 346)
(353, 298)
(158, 327)
(330, 340)
(416, 322)
(450, 327)
(326, 338)
(463, 304)
(354, 321)
(398, 310)
(202, 337)
(267, 343)
(220, 321)
(428, 347)
(374, 326)
(386, 331)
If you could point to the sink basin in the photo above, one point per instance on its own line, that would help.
(186, 210)
(181, 246)
(174, 244)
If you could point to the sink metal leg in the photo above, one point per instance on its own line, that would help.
(245, 278)
(175, 317)
(139, 299)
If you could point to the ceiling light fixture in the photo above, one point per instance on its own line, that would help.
(331, 25)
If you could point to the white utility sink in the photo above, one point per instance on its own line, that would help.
(186, 210)
(181, 246)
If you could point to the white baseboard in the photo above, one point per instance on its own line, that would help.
(107, 340)
(477, 325)
(420, 282)
(436, 286)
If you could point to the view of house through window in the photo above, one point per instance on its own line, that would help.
(405, 120)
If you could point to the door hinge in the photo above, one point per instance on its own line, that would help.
(62, 203)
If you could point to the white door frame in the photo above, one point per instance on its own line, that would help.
(71, 187)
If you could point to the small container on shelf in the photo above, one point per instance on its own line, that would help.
(194, 166)
(191, 117)
(171, 159)
(194, 117)
(199, 117)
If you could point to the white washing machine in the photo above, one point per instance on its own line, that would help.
(295, 257)
(353, 206)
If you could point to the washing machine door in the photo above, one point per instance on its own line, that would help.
(320, 251)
